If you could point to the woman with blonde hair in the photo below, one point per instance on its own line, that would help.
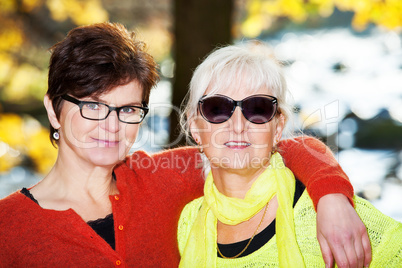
(253, 212)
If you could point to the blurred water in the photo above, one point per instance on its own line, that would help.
(347, 87)
(16, 179)
(376, 176)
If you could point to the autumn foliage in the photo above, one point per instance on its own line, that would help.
(262, 14)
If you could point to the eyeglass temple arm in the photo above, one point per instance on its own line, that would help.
(71, 99)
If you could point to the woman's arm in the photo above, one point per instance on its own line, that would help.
(340, 232)
(315, 166)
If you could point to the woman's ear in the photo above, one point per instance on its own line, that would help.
(50, 112)
(280, 125)
(194, 132)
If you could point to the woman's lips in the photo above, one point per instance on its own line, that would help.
(237, 144)
(107, 143)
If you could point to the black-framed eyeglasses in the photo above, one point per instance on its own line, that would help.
(257, 109)
(92, 110)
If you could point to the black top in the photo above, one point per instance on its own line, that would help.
(104, 227)
(230, 250)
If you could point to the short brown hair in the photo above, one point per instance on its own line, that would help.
(93, 59)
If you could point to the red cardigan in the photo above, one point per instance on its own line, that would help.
(153, 191)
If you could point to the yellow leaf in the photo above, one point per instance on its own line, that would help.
(11, 36)
(27, 80)
(57, 9)
(7, 6)
(29, 5)
(88, 12)
(254, 7)
(25, 136)
(252, 27)
(272, 8)
(325, 7)
(40, 150)
(158, 40)
(390, 14)
(81, 12)
(11, 130)
(6, 64)
(360, 20)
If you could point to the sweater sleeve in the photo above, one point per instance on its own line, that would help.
(179, 167)
(186, 163)
(313, 163)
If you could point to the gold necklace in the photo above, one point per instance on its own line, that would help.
(249, 242)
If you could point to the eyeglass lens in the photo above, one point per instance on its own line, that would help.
(99, 111)
(256, 109)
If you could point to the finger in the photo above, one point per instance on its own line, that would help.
(339, 254)
(367, 249)
(326, 252)
(351, 253)
(359, 252)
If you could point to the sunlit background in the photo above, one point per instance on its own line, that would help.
(343, 61)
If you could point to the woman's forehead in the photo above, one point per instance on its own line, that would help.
(239, 91)
(244, 80)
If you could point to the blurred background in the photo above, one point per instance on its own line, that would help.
(343, 61)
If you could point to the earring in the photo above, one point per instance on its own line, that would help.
(56, 135)
(199, 146)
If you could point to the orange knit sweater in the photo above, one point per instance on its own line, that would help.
(153, 191)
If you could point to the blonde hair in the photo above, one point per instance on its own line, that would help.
(251, 64)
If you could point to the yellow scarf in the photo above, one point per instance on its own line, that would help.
(200, 250)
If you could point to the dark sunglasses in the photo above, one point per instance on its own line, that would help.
(257, 109)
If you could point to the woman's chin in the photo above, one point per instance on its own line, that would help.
(106, 157)
(240, 162)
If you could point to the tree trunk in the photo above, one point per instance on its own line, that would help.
(200, 25)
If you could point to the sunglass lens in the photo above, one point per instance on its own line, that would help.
(217, 109)
(259, 110)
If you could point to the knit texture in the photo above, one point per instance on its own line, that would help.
(153, 191)
(385, 235)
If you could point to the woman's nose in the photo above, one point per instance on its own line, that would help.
(238, 121)
(111, 123)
